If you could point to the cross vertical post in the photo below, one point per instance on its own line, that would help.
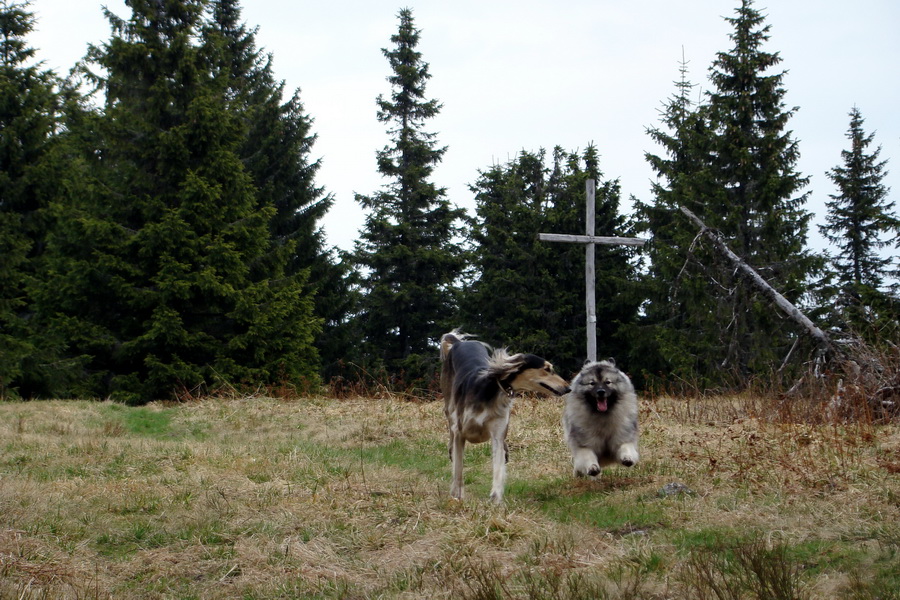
(590, 269)
(590, 241)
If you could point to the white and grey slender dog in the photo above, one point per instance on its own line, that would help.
(478, 384)
(600, 420)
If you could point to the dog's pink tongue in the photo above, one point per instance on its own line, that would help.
(601, 405)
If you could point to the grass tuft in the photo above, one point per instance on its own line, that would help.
(743, 569)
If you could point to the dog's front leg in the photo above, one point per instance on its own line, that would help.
(628, 454)
(457, 446)
(584, 461)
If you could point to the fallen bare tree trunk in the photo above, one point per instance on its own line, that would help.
(869, 380)
(763, 286)
(863, 373)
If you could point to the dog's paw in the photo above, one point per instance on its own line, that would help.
(585, 463)
(628, 459)
(591, 471)
(586, 470)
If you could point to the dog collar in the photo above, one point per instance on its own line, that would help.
(510, 392)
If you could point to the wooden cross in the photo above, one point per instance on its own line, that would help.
(590, 240)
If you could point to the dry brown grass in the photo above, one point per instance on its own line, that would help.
(269, 498)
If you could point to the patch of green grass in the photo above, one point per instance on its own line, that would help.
(122, 545)
(618, 515)
(428, 458)
(536, 490)
(879, 580)
(820, 555)
(815, 555)
(150, 422)
(704, 539)
(887, 568)
(153, 423)
(880, 565)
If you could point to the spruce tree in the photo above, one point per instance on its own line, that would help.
(276, 151)
(29, 116)
(758, 202)
(732, 161)
(407, 249)
(157, 245)
(499, 303)
(861, 221)
(674, 330)
(527, 293)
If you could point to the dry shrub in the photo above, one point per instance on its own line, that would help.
(355, 381)
(743, 569)
(859, 384)
(870, 383)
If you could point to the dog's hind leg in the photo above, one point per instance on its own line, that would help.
(498, 459)
(457, 447)
(584, 462)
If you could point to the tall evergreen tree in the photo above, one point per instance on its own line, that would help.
(530, 294)
(861, 221)
(29, 116)
(732, 162)
(616, 306)
(507, 258)
(754, 162)
(407, 248)
(674, 331)
(156, 252)
(278, 141)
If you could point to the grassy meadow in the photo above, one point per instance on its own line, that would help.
(260, 497)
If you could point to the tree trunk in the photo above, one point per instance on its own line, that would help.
(767, 290)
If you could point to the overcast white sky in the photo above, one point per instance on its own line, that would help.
(528, 74)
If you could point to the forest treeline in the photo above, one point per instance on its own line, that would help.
(160, 227)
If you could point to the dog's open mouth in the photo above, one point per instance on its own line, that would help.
(602, 405)
(556, 392)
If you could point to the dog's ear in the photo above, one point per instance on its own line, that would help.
(587, 361)
(611, 361)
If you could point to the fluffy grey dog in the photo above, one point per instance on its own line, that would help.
(600, 421)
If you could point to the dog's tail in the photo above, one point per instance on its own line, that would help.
(448, 339)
